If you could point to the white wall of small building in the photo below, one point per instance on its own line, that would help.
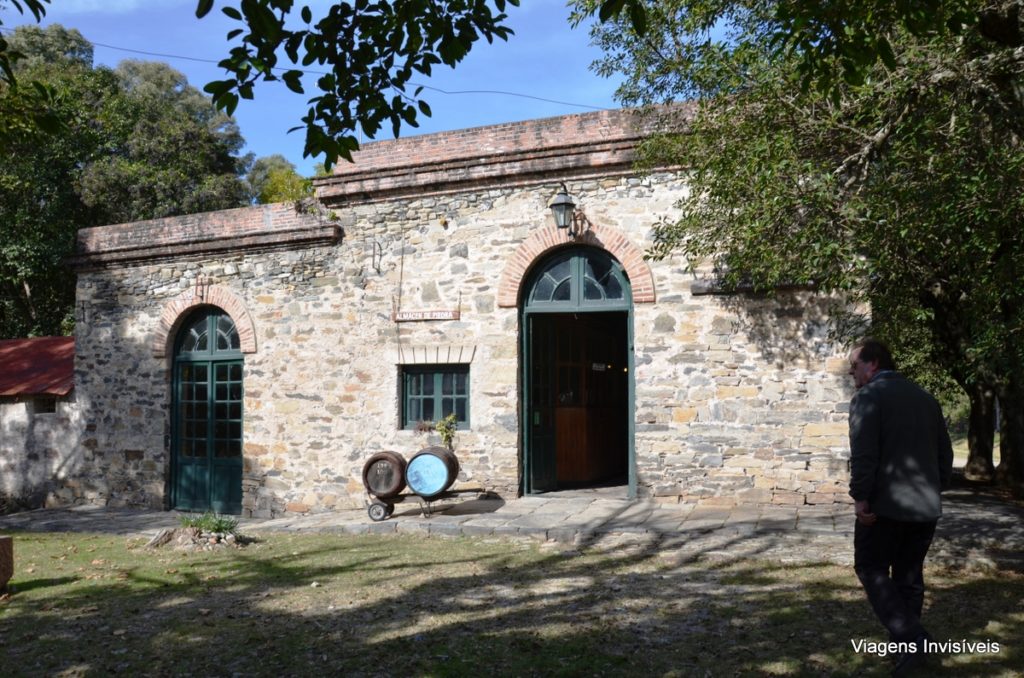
(38, 450)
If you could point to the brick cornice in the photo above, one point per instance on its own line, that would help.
(202, 294)
(549, 238)
(599, 144)
(263, 227)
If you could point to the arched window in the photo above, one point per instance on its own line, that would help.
(195, 337)
(578, 278)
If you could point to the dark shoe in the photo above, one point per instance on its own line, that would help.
(908, 662)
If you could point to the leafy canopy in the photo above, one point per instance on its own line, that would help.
(135, 142)
(834, 43)
(274, 179)
(8, 56)
(896, 179)
(371, 50)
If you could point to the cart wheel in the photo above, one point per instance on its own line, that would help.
(391, 510)
(378, 512)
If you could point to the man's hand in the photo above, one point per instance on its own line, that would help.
(864, 514)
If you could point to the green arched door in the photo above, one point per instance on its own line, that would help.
(577, 373)
(206, 442)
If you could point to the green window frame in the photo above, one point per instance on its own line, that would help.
(579, 279)
(432, 392)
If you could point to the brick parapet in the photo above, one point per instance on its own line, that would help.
(261, 227)
(513, 154)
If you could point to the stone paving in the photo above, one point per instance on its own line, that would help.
(977, 529)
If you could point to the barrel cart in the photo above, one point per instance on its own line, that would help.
(429, 475)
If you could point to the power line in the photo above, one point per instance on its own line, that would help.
(308, 72)
(414, 84)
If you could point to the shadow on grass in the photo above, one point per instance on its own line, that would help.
(24, 586)
(399, 605)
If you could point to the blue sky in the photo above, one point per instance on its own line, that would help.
(545, 58)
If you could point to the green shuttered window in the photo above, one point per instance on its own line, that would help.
(432, 392)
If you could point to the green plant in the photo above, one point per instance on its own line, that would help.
(446, 427)
(211, 522)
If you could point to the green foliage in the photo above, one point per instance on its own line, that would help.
(172, 153)
(901, 187)
(370, 48)
(274, 179)
(211, 522)
(9, 56)
(833, 43)
(33, 106)
(446, 428)
(131, 143)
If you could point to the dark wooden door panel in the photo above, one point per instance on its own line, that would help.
(590, 405)
(572, 445)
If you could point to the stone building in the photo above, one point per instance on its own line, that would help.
(250, 360)
(38, 416)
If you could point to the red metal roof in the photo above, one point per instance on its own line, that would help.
(40, 366)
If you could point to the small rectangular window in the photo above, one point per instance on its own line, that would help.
(432, 392)
(44, 405)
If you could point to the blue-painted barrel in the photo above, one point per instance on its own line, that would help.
(431, 471)
(384, 474)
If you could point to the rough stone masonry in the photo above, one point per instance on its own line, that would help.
(737, 398)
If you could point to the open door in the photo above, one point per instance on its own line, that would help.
(577, 373)
(590, 403)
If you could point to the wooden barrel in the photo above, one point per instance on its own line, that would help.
(431, 471)
(384, 474)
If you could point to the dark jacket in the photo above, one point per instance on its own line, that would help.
(900, 454)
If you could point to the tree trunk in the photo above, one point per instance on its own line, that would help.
(29, 303)
(1010, 471)
(980, 433)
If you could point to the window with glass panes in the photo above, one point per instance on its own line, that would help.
(431, 393)
(207, 415)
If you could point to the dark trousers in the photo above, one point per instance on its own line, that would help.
(889, 560)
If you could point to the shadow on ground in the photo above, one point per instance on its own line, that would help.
(678, 605)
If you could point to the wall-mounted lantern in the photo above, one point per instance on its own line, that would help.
(564, 210)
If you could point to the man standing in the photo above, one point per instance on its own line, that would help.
(900, 459)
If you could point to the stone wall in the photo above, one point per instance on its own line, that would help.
(722, 411)
(37, 450)
(738, 398)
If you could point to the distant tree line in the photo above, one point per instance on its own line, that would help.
(123, 144)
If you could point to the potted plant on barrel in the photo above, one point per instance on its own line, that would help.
(446, 429)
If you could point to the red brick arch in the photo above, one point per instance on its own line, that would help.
(203, 294)
(549, 238)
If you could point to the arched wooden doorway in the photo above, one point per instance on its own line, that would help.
(206, 441)
(578, 389)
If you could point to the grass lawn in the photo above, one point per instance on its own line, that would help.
(332, 605)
